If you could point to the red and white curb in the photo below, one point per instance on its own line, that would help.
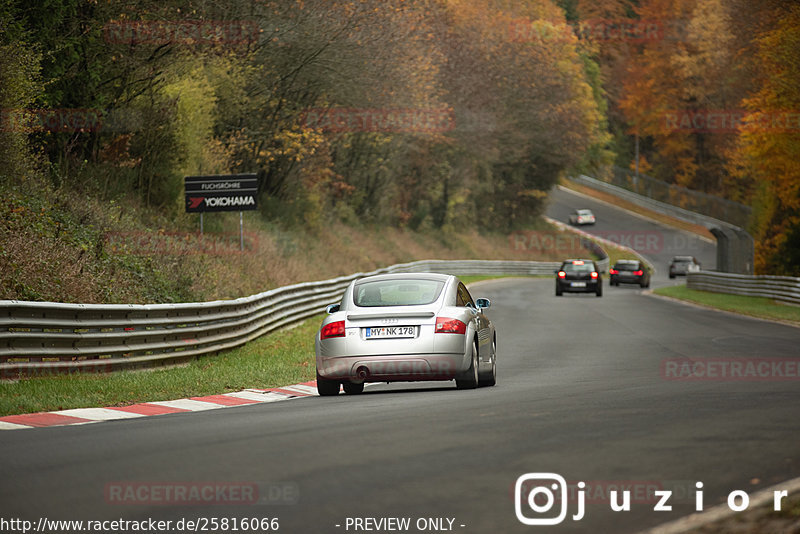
(81, 416)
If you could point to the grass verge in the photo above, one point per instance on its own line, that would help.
(761, 307)
(278, 359)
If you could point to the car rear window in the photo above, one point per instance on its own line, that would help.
(403, 292)
(627, 267)
(577, 268)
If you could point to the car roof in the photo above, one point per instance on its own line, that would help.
(627, 261)
(585, 210)
(578, 259)
(688, 258)
(406, 276)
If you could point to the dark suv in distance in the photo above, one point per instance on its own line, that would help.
(629, 272)
(579, 276)
(683, 265)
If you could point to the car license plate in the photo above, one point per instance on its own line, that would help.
(384, 332)
(578, 284)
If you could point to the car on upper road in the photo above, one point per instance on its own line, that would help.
(579, 276)
(629, 272)
(683, 265)
(404, 328)
(581, 217)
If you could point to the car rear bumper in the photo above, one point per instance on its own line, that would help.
(617, 279)
(566, 286)
(394, 368)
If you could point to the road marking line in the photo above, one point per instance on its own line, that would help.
(12, 426)
(225, 400)
(43, 419)
(98, 414)
(250, 395)
(189, 405)
(301, 388)
(147, 409)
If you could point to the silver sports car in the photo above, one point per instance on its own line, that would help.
(405, 327)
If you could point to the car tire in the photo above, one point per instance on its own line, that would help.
(327, 388)
(559, 292)
(491, 378)
(351, 388)
(671, 275)
(599, 292)
(470, 380)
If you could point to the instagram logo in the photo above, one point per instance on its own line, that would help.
(540, 491)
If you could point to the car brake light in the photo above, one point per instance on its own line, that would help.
(638, 273)
(446, 325)
(561, 274)
(334, 329)
(579, 262)
(613, 271)
(594, 274)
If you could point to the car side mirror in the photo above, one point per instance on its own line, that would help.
(333, 308)
(483, 303)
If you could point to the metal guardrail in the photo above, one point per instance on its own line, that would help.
(734, 244)
(44, 337)
(732, 212)
(782, 288)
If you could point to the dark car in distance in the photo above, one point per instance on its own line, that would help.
(629, 272)
(579, 276)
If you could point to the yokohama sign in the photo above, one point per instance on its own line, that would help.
(231, 192)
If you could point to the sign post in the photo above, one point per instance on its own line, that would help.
(222, 192)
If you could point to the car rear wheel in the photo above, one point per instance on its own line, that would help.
(599, 291)
(351, 388)
(327, 388)
(470, 380)
(491, 378)
(558, 290)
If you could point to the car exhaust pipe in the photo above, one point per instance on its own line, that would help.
(362, 373)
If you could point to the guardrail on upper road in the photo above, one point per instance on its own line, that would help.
(782, 288)
(734, 244)
(46, 337)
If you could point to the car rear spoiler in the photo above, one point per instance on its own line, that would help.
(384, 315)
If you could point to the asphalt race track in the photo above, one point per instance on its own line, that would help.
(580, 393)
(655, 242)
